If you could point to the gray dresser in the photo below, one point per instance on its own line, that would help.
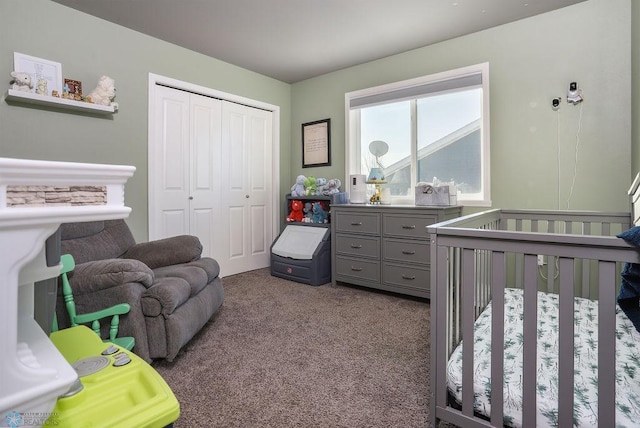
(384, 246)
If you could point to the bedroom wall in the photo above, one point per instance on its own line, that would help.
(89, 47)
(531, 62)
(635, 84)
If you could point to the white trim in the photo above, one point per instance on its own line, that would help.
(352, 123)
(156, 79)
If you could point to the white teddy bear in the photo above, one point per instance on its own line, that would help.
(21, 81)
(105, 92)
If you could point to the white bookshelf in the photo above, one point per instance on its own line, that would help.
(63, 103)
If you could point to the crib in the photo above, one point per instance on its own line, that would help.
(518, 286)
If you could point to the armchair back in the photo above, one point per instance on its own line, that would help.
(96, 240)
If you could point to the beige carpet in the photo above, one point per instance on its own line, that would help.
(284, 354)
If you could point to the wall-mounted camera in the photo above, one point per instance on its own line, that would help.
(555, 103)
(574, 96)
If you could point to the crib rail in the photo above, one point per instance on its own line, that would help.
(475, 257)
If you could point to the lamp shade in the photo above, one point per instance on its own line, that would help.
(376, 175)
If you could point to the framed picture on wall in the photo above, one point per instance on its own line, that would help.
(316, 143)
(39, 68)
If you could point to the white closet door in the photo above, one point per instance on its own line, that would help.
(205, 163)
(183, 167)
(169, 165)
(246, 182)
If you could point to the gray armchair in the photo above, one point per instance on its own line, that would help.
(171, 289)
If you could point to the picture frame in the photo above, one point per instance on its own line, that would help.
(75, 86)
(316, 143)
(39, 68)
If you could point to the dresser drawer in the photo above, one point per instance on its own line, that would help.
(410, 226)
(366, 270)
(362, 246)
(366, 223)
(406, 276)
(400, 250)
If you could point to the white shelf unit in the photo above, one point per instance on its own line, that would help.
(45, 100)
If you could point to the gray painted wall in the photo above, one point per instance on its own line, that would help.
(89, 47)
(531, 62)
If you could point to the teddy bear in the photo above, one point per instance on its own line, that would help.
(21, 81)
(308, 212)
(310, 186)
(297, 189)
(319, 214)
(296, 211)
(333, 186)
(41, 87)
(320, 185)
(105, 92)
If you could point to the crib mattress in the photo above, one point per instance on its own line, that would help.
(586, 360)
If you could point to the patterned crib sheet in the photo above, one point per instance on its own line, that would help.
(586, 360)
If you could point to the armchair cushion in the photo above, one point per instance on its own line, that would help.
(96, 240)
(102, 274)
(165, 296)
(193, 275)
(166, 252)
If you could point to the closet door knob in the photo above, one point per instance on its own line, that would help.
(246, 196)
(190, 198)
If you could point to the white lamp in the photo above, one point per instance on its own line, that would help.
(376, 174)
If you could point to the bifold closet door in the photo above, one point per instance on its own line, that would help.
(246, 182)
(184, 163)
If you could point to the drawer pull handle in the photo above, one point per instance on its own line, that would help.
(410, 253)
(413, 226)
(408, 277)
(356, 269)
(356, 223)
(357, 247)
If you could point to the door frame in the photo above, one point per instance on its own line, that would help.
(156, 79)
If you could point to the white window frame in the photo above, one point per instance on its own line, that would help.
(352, 127)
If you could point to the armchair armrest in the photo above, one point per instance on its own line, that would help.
(98, 275)
(120, 309)
(166, 252)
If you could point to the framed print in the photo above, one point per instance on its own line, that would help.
(316, 143)
(40, 68)
(73, 86)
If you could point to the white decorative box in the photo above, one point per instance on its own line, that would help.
(442, 194)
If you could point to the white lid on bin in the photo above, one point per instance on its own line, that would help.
(299, 242)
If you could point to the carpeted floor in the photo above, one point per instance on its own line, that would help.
(284, 354)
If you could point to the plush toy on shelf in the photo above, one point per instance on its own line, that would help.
(310, 186)
(333, 186)
(308, 212)
(41, 87)
(21, 81)
(297, 189)
(296, 213)
(321, 182)
(319, 214)
(105, 92)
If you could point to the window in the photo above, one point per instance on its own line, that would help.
(434, 126)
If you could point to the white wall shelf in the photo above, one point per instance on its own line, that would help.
(44, 100)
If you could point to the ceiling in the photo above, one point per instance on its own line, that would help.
(293, 40)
